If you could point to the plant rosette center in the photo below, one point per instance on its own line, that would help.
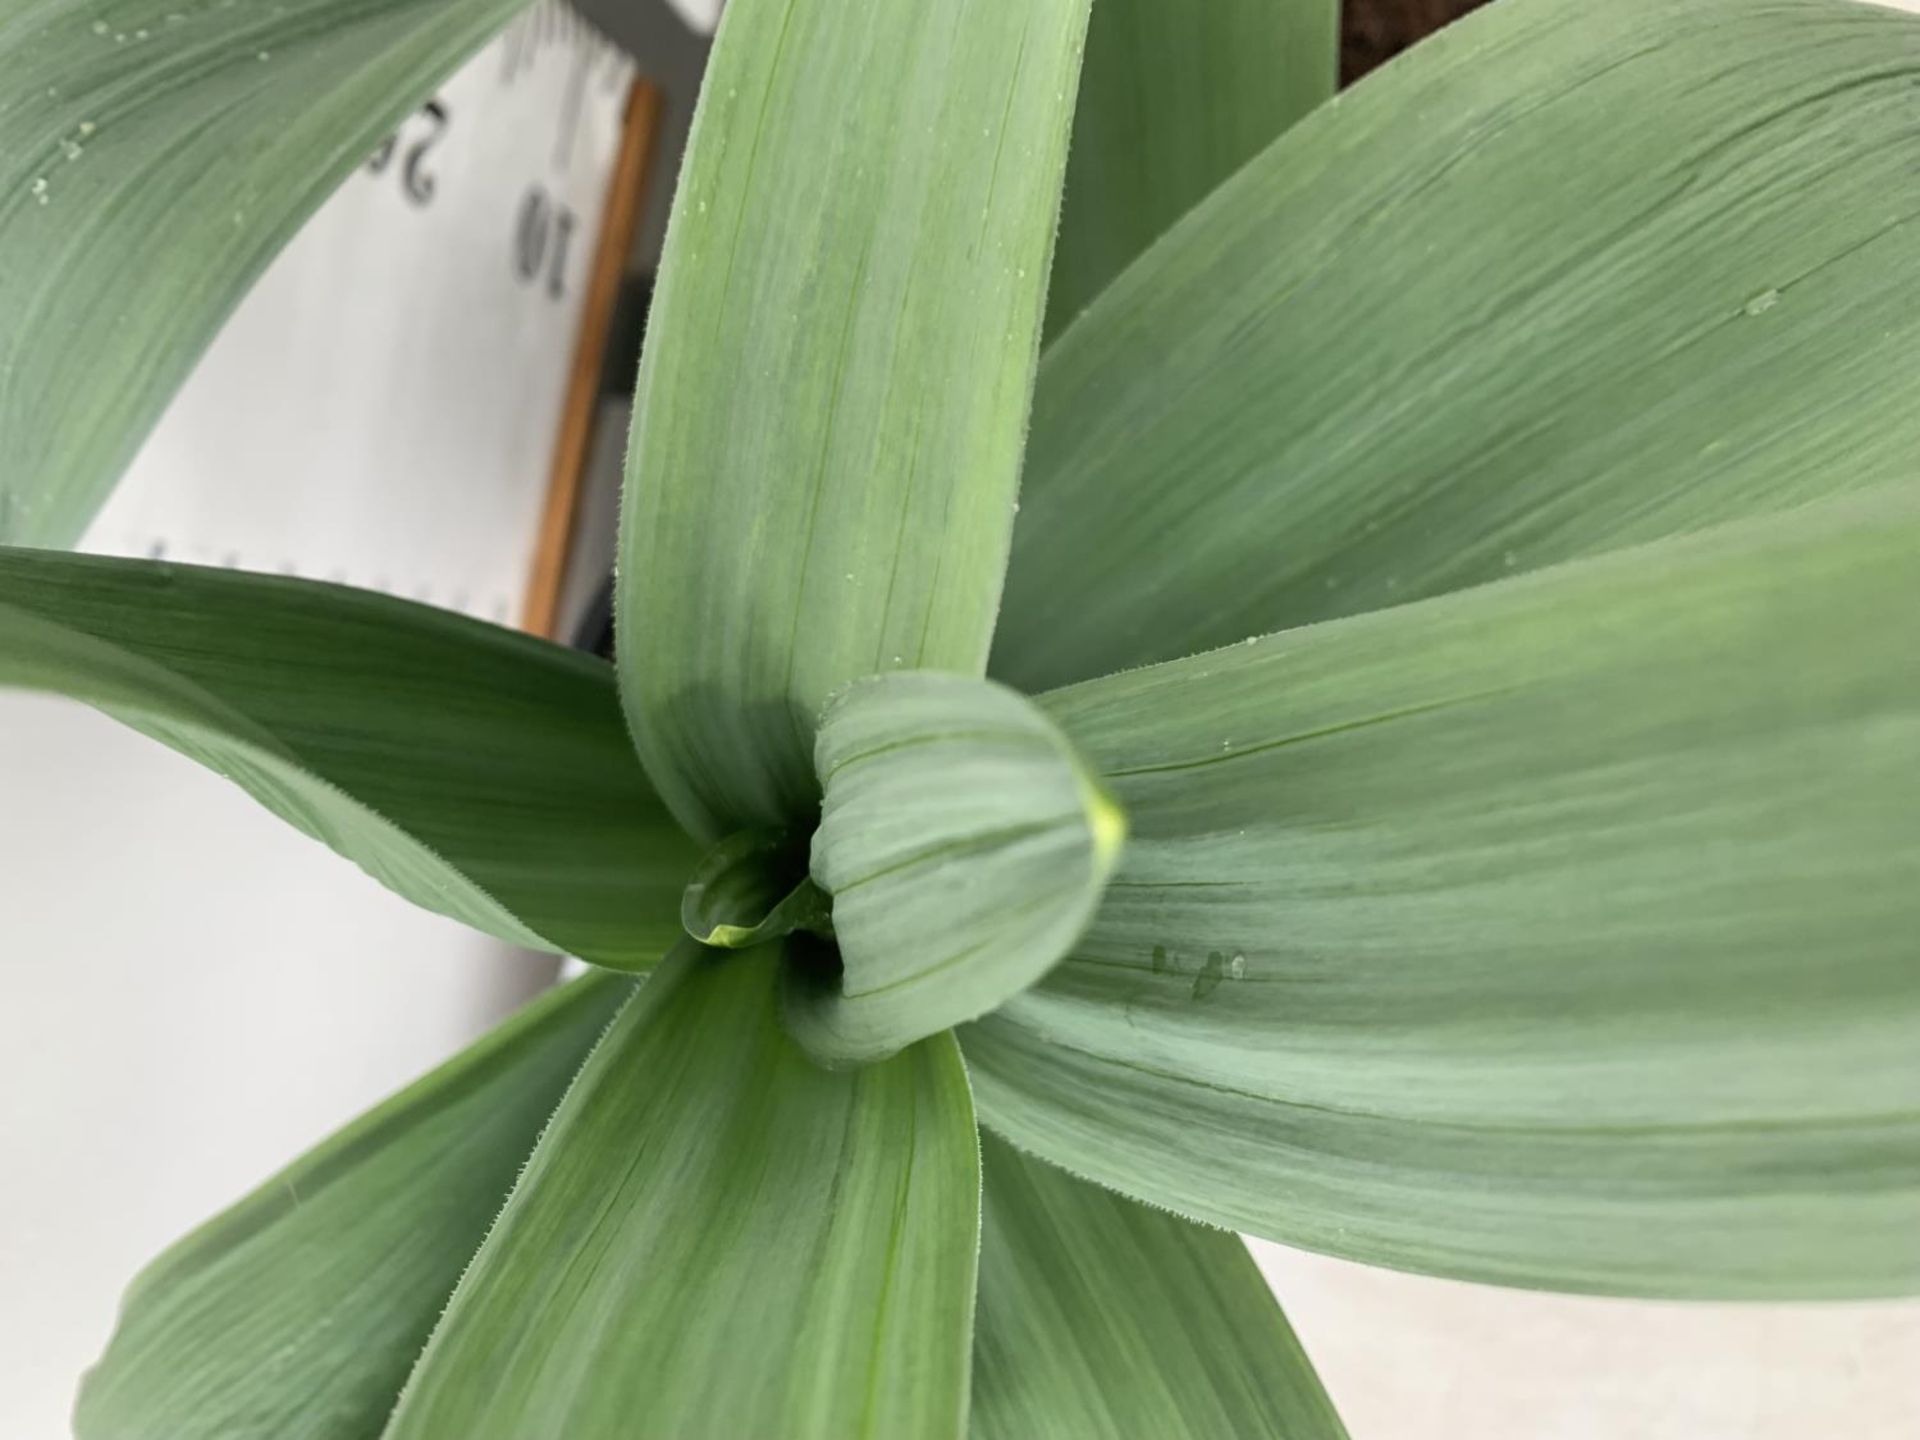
(961, 850)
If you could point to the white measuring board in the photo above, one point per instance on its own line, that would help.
(382, 408)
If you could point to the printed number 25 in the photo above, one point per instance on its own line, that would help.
(415, 182)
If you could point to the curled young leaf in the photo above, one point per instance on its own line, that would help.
(752, 888)
(964, 846)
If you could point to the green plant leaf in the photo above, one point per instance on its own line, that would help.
(717, 1238)
(1565, 278)
(963, 845)
(479, 773)
(1101, 1319)
(751, 888)
(154, 155)
(1559, 932)
(1173, 100)
(296, 1314)
(827, 433)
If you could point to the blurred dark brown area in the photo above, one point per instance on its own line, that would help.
(1374, 31)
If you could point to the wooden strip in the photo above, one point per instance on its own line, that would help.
(625, 194)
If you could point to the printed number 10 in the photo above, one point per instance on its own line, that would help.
(541, 239)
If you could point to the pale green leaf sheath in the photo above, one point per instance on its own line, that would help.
(479, 773)
(964, 846)
(828, 427)
(1561, 932)
(1563, 278)
(154, 155)
(1102, 1319)
(295, 1315)
(716, 1238)
(752, 888)
(1174, 99)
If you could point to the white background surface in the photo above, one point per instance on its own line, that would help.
(703, 15)
(1407, 1357)
(191, 994)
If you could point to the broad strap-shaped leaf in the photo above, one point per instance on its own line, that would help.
(479, 773)
(964, 846)
(1102, 1319)
(297, 1313)
(716, 1238)
(1567, 277)
(1173, 100)
(1562, 932)
(828, 427)
(154, 155)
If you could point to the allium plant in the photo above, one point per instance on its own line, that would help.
(1428, 773)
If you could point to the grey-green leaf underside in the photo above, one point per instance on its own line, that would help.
(1174, 99)
(296, 1314)
(716, 1238)
(828, 428)
(964, 846)
(1102, 1319)
(1560, 932)
(1566, 277)
(479, 773)
(154, 156)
